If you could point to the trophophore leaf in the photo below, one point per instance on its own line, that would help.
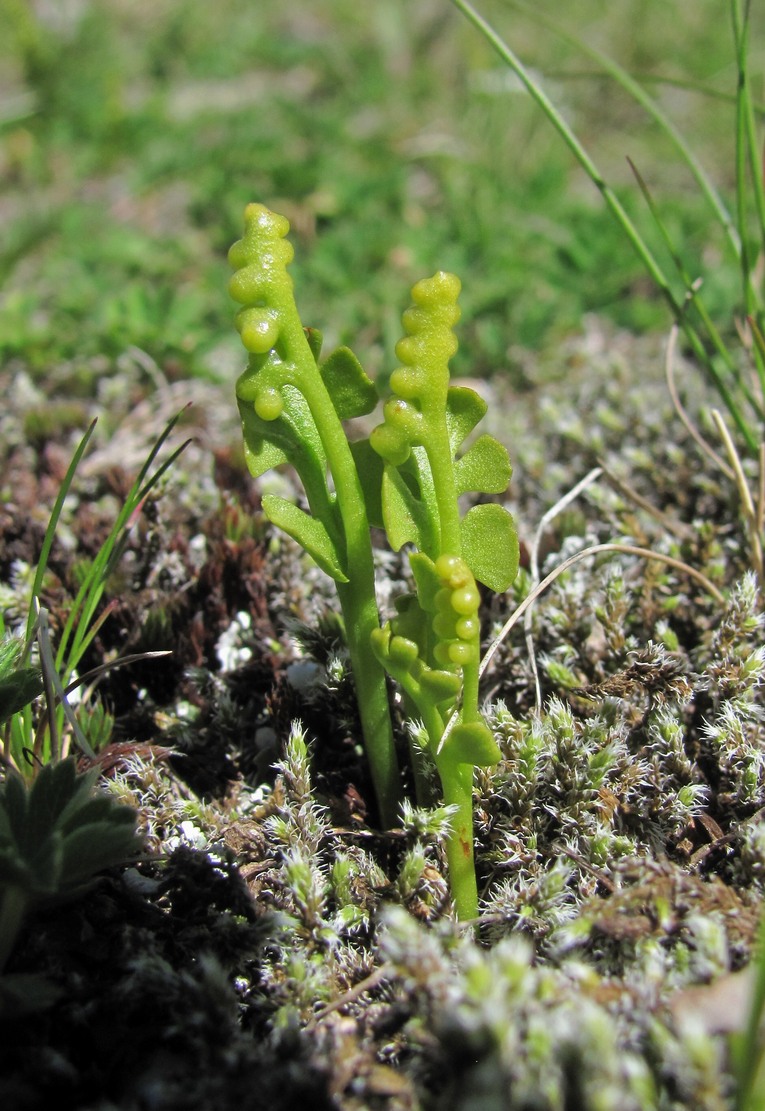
(309, 533)
(464, 409)
(490, 545)
(485, 467)
(260, 454)
(472, 743)
(353, 393)
(408, 516)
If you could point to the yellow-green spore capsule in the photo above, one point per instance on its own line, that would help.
(453, 571)
(259, 329)
(408, 382)
(439, 292)
(465, 601)
(444, 624)
(403, 416)
(442, 655)
(247, 386)
(246, 285)
(467, 628)
(461, 653)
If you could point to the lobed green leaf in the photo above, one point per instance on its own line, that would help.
(426, 578)
(472, 742)
(485, 467)
(408, 501)
(490, 545)
(13, 807)
(56, 793)
(309, 532)
(260, 451)
(353, 393)
(97, 845)
(464, 409)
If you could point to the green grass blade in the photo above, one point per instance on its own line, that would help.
(112, 552)
(747, 1048)
(695, 87)
(719, 209)
(55, 692)
(692, 297)
(654, 110)
(50, 532)
(614, 206)
(753, 149)
(537, 93)
(75, 635)
(747, 165)
(742, 154)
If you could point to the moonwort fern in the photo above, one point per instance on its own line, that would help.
(407, 477)
(292, 408)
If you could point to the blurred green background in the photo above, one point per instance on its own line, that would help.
(132, 133)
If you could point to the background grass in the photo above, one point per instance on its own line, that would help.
(134, 133)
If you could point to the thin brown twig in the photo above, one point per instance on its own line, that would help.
(596, 549)
(675, 528)
(669, 370)
(752, 516)
(384, 972)
(549, 516)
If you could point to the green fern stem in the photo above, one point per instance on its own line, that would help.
(457, 783)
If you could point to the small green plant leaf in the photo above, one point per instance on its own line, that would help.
(86, 807)
(91, 848)
(472, 742)
(490, 545)
(54, 836)
(13, 809)
(19, 689)
(485, 467)
(309, 533)
(440, 684)
(260, 453)
(293, 438)
(353, 393)
(14, 871)
(464, 409)
(55, 792)
(427, 579)
(408, 517)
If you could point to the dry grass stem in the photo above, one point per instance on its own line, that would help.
(752, 516)
(704, 445)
